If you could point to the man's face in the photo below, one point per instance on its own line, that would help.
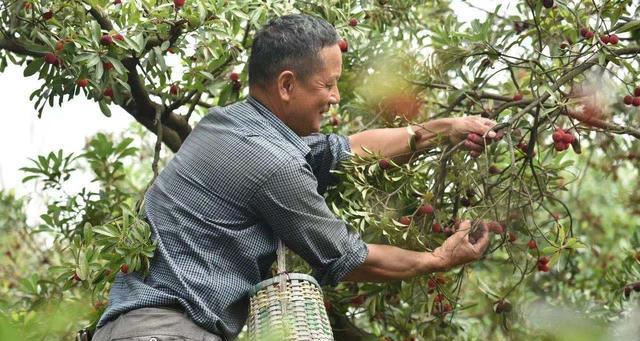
(312, 98)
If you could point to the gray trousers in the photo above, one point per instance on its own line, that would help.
(153, 324)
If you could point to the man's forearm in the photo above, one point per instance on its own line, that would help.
(394, 142)
(387, 263)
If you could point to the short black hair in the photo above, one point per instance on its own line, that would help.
(290, 42)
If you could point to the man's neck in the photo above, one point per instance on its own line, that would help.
(261, 96)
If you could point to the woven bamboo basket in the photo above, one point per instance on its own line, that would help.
(289, 307)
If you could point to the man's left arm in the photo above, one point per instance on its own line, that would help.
(394, 142)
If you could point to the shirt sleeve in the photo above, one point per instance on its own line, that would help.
(298, 214)
(327, 151)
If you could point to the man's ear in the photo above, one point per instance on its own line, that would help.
(286, 83)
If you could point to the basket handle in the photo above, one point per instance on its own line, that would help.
(282, 259)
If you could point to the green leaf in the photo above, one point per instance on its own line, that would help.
(105, 108)
(32, 68)
(630, 26)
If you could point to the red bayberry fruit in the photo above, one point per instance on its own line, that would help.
(108, 92)
(234, 77)
(604, 39)
(568, 138)
(584, 31)
(334, 121)
(544, 260)
(447, 308)
(107, 272)
(542, 267)
(405, 220)
(503, 307)
(107, 65)
(431, 283)
(493, 169)
(613, 39)
(344, 46)
(83, 82)
(47, 15)
(564, 45)
(173, 89)
(636, 287)
(50, 58)
(178, 3)
(117, 2)
(517, 97)
(118, 36)
(636, 91)
(439, 298)
(124, 268)
(512, 237)
(353, 22)
(628, 100)
(532, 244)
(436, 228)
(495, 227)
(327, 305)
(384, 164)
(76, 277)
(236, 85)
(426, 209)
(561, 146)
(557, 135)
(170, 50)
(547, 3)
(627, 291)
(59, 45)
(589, 35)
(106, 40)
(27, 6)
(638, 256)
(358, 300)
(636, 101)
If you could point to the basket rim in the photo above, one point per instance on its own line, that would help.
(276, 279)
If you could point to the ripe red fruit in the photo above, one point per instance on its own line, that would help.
(405, 220)
(564, 45)
(178, 3)
(447, 308)
(50, 58)
(495, 227)
(436, 228)
(439, 298)
(493, 169)
(503, 307)
(353, 22)
(636, 91)
(117, 2)
(547, 3)
(106, 40)
(431, 283)
(107, 272)
(344, 46)
(532, 244)
(170, 50)
(327, 305)
(47, 15)
(568, 138)
(628, 100)
(118, 36)
(517, 97)
(173, 89)
(589, 35)
(27, 6)
(544, 260)
(358, 300)
(627, 292)
(613, 39)
(234, 77)
(636, 287)
(236, 85)
(334, 121)
(384, 164)
(638, 256)
(636, 101)
(604, 39)
(109, 93)
(83, 82)
(557, 135)
(124, 268)
(512, 237)
(542, 267)
(107, 65)
(76, 277)
(59, 45)
(584, 31)
(426, 209)
(561, 146)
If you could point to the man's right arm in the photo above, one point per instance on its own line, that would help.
(388, 263)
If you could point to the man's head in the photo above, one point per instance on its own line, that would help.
(294, 68)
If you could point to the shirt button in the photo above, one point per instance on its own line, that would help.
(153, 339)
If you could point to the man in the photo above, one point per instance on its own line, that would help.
(245, 178)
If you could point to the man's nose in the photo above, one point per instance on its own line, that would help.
(334, 98)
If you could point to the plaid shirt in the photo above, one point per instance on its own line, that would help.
(241, 180)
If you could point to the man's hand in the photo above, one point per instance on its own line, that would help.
(471, 129)
(464, 246)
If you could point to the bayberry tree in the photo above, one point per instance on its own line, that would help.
(559, 77)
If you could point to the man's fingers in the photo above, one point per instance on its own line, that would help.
(475, 138)
(473, 146)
